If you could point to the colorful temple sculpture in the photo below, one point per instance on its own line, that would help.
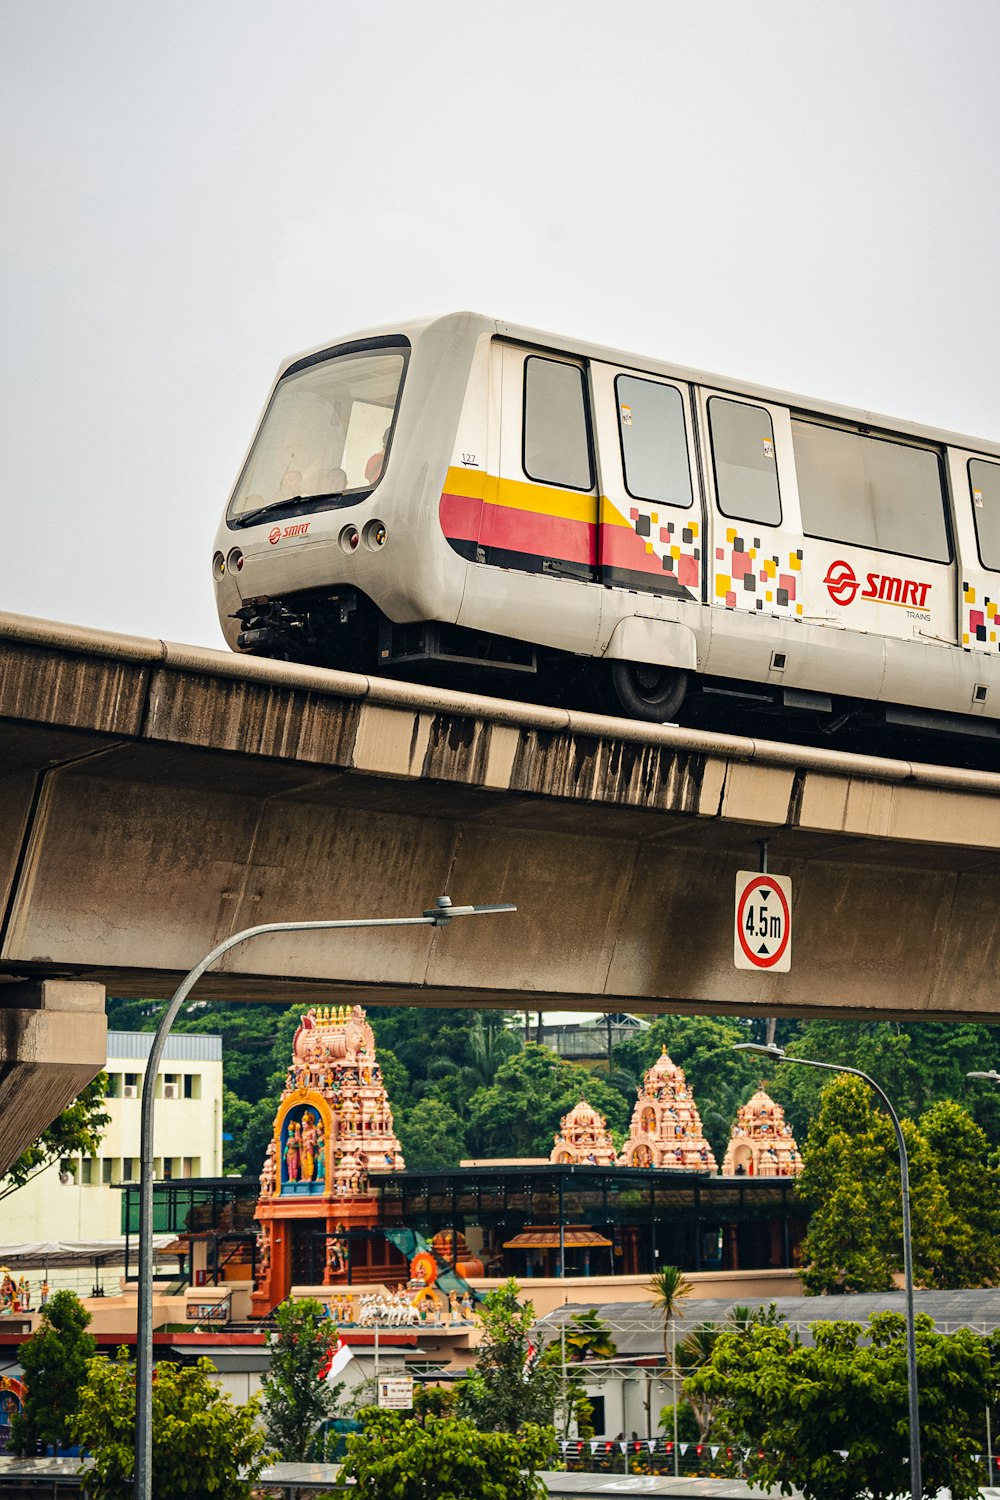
(761, 1143)
(332, 1131)
(584, 1139)
(666, 1127)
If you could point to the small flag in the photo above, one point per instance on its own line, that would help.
(337, 1359)
(529, 1359)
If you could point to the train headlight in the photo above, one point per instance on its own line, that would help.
(375, 535)
(218, 566)
(234, 562)
(350, 539)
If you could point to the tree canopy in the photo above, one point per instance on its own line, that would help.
(510, 1386)
(851, 1181)
(295, 1401)
(77, 1130)
(203, 1444)
(410, 1458)
(831, 1419)
(54, 1361)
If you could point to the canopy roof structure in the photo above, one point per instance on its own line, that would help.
(65, 1254)
(547, 1237)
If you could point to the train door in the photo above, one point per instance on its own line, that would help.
(651, 528)
(756, 555)
(975, 485)
(545, 519)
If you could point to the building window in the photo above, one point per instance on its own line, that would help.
(654, 441)
(107, 1171)
(128, 1163)
(746, 470)
(130, 1086)
(556, 435)
(87, 1165)
(171, 1085)
(192, 1085)
(168, 1168)
(984, 479)
(114, 1090)
(870, 491)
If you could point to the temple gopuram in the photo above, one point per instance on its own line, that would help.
(333, 1130)
(761, 1143)
(666, 1127)
(584, 1139)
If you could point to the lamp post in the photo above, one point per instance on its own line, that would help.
(992, 1076)
(439, 915)
(779, 1055)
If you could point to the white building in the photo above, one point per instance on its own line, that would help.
(85, 1204)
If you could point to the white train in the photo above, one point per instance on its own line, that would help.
(465, 491)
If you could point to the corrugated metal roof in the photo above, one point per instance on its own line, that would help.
(183, 1046)
(637, 1327)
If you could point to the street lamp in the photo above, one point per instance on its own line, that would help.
(993, 1076)
(779, 1055)
(439, 915)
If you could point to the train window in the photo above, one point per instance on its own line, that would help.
(984, 481)
(746, 471)
(326, 432)
(870, 491)
(556, 436)
(654, 441)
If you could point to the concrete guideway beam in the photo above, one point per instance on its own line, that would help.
(53, 1041)
(161, 797)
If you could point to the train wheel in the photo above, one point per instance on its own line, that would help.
(645, 691)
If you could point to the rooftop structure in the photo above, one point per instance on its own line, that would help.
(761, 1143)
(333, 1129)
(666, 1127)
(584, 1138)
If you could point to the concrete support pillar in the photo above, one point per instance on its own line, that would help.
(53, 1041)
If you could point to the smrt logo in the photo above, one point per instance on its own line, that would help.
(842, 583)
(279, 533)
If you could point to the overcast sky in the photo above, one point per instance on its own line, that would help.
(803, 194)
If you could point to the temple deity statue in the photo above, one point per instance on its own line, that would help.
(310, 1142)
(293, 1153)
(666, 1129)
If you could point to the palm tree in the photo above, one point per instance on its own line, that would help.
(668, 1287)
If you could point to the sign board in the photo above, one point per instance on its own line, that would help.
(762, 935)
(396, 1393)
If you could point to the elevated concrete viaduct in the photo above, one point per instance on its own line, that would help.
(157, 798)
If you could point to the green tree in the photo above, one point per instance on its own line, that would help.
(509, 1386)
(831, 1420)
(519, 1114)
(851, 1179)
(970, 1253)
(54, 1361)
(78, 1130)
(431, 1136)
(411, 1458)
(916, 1063)
(203, 1444)
(295, 1401)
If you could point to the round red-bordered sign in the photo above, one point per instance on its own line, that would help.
(765, 961)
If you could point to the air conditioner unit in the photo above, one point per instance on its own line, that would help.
(130, 1091)
(171, 1091)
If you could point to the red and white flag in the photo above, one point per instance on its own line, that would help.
(529, 1360)
(337, 1359)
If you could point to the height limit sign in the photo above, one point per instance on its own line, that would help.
(763, 933)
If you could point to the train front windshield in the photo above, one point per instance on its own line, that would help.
(326, 432)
